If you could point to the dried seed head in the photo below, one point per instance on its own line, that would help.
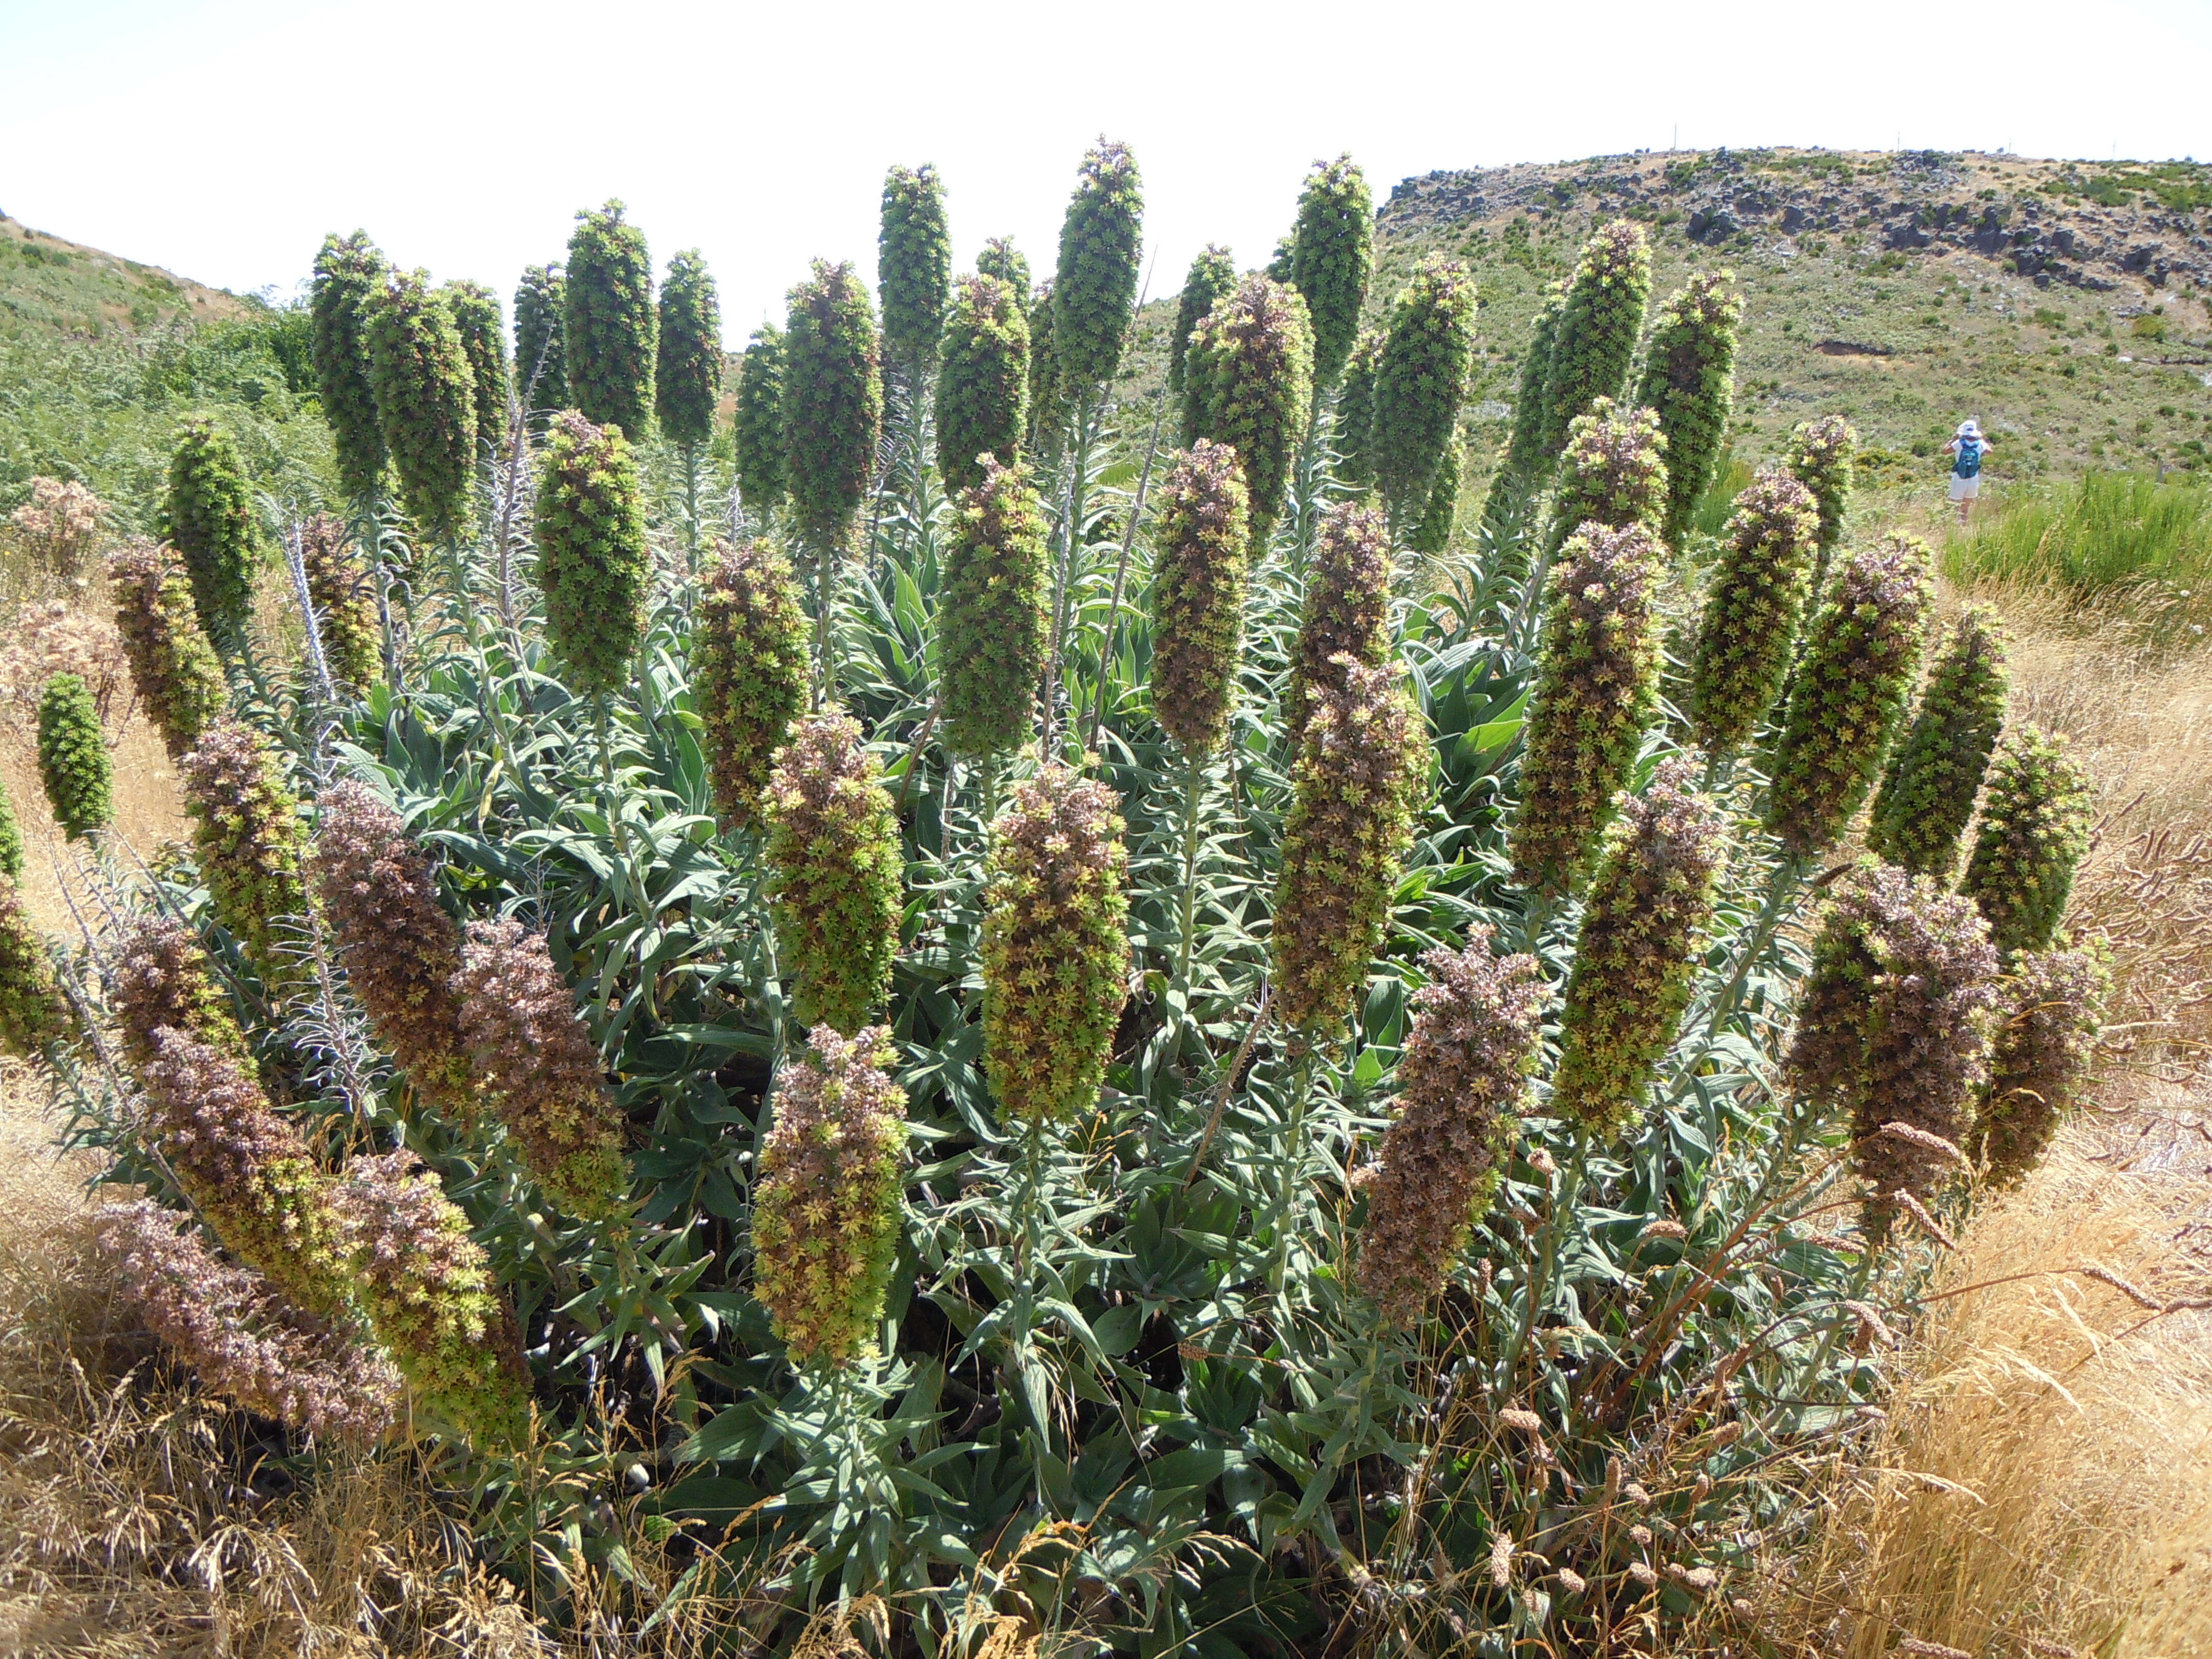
(161, 978)
(1751, 609)
(748, 663)
(1927, 793)
(1202, 544)
(2049, 1011)
(2036, 823)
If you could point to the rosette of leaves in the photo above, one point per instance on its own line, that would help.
(1048, 402)
(833, 844)
(1466, 1067)
(593, 560)
(1055, 946)
(1751, 609)
(2049, 1009)
(1355, 414)
(1361, 766)
(1858, 670)
(74, 763)
(1249, 377)
(1613, 472)
(375, 888)
(1420, 383)
(991, 619)
(1649, 900)
(1332, 256)
(609, 328)
(1094, 288)
(688, 372)
(536, 1066)
(982, 380)
(350, 274)
(1002, 259)
(1526, 460)
(1210, 278)
(758, 431)
(484, 342)
(1689, 378)
(174, 669)
(345, 614)
(1597, 676)
(749, 669)
(1201, 542)
(1820, 454)
(11, 837)
(207, 515)
(2035, 831)
(1432, 535)
(826, 1212)
(32, 1012)
(161, 978)
(1928, 791)
(246, 829)
(1601, 320)
(1347, 613)
(913, 268)
(426, 399)
(833, 404)
(541, 367)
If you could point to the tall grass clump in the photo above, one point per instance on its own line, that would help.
(609, 327)
(2101, 533)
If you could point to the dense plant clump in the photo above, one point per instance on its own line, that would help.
(1525, 460)
(2049, 1011)
(913, 268)
(541, 365)
(346, 611)
(1820, 454)
(484, 342)
(2036, 822)
(74, 763)
(1597, 681)
(1055, 947)
(1601, 320)
(983, 381)
(1048, 396)
(174, 669)
(207, 515)
(1613, 472)
(246, 830)
(749, 669)
(593, 560)
(1002, 259)
(1752, 606)
(833, 843)
(757, 430)
(1863, 651)
(609, 328)
(1928, 791)
(11, 837)
(1094, 288)
(1348, 609)
(1332, 256)
(1419, 384)
(1432, 535)
(833, 404)
(31, 1011)
(1473, 1042)
(1649, 900)
(426, 400)
(1211, 278)
(1354, 437)
(349, 277)
(991, 619)
(1203, 543)
(1249, 378)
(826, 1213)
(1689, 379)
(687, 379)
(161, 979)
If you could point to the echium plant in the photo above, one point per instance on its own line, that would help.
(1211, 278)
(1002, 259)
(73, 763)
(1047, 397)
(207, 515)
(159, 977)
(350, 274)
(1820, 454)
(757, 430)
(174, 669)
(687, 380)
(1094, 287)
(11, 837)
(426, 399)
(1332, 256)
(1362, 766)
(1935, 773)
(1432, 534)
(32, 1012)
(593, 560)
(1749, 618)
(1348, 609)
(991, 612)
(1689, 379)
(541, 367)
(1613, 472)
(345, 614)
(1354, 437)
(2035, 831)
(2049, 1009)
(748, 669)
(1055, 946)
(1861, 652)
(1650, 901)
(982, 381)
(1419, 384)
(1476, 1024)
(914, 268)
(1249, 377)
(833, 404)
(246, 830)
(1597, 677)
(1601, 320)
(826, 1210)
(483, 341)
(1202, 543)
(1525, 461)
(833, 844)
(609, 328)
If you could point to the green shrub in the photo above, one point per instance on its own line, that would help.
(541, 367)
(991, 620)
(1249, 382)
(426, 400)
(1094, 287)
(687, 377)
(609, 328)
(1332, 256)
(593, 560)
(984, 385)
(349, 278)
(73, 759)
(914, 268)
(208, 517)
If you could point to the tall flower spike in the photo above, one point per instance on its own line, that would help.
(749, 669)
(2049, 1012)
(1432, 535)
(1649, 903)
(399, 948)
(826, 1212)
(73, 759)
(758, 428)
(1211, 278)
(1201, 542)
(1355, 415)
(535, 1065)
(1332, 256)
(174, 669)
(1002, 259)
(609, 328)
(1689, 378)
(1613, 472)
(1419, 384)
(983, 383)
(161, 979)
(1048, 398)
(207, 515)
(484, 342)
(1597, 679)
(1094, 290)
(833, 404)
(11, 837)
(350, 274)
(1513, 485)
(541, 365)
(1851, 686)
(687, 378)
(246, 828)
(1347, 612)
(1466, 1066)
(1927, 793)
(833, 843)
(593, 560)
(426, 400)
(1360, 770)
(913, 268)
(31, 1011)
(1601, 320)
(991, 620)
(1249, 377)
(1055, 946)
(2035, 831)
(1820, 454)
(1751, 610)
(345, 612)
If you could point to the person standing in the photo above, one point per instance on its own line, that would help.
(1967, 450)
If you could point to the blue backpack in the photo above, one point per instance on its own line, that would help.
(1970, 458)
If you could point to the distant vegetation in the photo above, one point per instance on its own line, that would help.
(2095, 535)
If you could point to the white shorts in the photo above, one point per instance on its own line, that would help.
(1965, 489)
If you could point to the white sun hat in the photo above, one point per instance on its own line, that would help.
(1969, 429)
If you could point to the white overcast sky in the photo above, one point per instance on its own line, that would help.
(223, 140)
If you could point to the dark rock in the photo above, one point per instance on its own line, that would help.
(1794, 218)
